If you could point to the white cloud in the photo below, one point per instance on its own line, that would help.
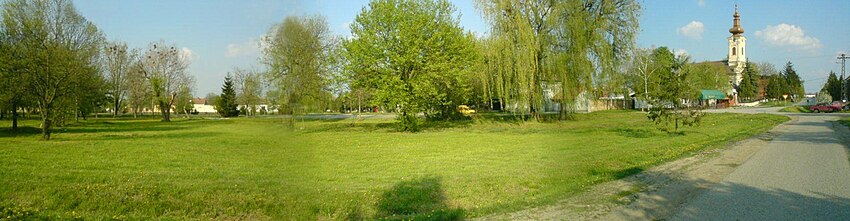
(786, 35)
(679, 52)
(251, 47)
(692, 30)
(701, 3)
(187, 54)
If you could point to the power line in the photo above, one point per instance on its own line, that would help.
(843, 57)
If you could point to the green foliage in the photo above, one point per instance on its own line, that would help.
(226, 103)
(569, 47)
(707, 76)
(832, 86)
(56, 48)
(414, 56)
(749, 83)
(775, 87)
(793, 84)
(300, 64)
(667, 103)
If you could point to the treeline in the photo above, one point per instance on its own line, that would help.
(58, 65)
(412, 57)
(409, 57)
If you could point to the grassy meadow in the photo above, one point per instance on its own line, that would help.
(256, 168)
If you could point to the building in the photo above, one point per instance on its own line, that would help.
(736, 58)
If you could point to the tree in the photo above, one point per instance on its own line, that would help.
(414, 56)
(165, 67)
(749, 83)
(297, 65)
(832, 87)
(226, 104)
(775, 87)
(138, 88)
(793, 83)
(571, 45)
(667, 104)
(56, 48)
(117, 62)
(14, 84)
(184, 98)
(249, 89)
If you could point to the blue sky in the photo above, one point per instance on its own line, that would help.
(223, 34)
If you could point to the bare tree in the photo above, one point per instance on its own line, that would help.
(249, 89)
(117, 62)
(164, 66)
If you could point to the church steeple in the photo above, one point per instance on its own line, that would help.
(736, 26)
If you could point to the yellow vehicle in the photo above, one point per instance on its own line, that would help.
(463, 109)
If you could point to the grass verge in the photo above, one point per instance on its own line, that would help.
(256, 168)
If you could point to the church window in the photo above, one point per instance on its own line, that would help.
(733, 51)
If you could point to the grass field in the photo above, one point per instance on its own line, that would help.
(254, 168)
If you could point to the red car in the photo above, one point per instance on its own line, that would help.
(835, 106)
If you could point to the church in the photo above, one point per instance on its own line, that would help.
(734, 64)
(737, 56)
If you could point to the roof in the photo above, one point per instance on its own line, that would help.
(723, 64)
(711, 95)
(199, 101)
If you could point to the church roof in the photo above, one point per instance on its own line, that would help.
(723, 64)
(736, 25)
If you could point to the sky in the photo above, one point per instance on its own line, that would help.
(220, 35)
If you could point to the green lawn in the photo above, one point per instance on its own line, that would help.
(255, 168)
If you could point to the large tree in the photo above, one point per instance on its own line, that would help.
(57, 48)
(117, 63)
(165, 68)
(793, 83)
(414, 55)
(138, 89)
(297, 62)
(668, 102)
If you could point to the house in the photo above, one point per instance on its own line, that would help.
(203, 106)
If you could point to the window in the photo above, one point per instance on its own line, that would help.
(733, 51)
(742, 50)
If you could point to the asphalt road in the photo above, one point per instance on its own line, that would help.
(802, 174)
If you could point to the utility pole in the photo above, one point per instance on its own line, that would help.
(843, 57)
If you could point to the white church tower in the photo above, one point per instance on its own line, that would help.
(737, 55)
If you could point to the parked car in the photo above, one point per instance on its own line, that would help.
(822, 107)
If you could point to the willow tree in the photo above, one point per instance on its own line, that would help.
(56, 48)
(297, 65)
(415, 57)
(521, 34)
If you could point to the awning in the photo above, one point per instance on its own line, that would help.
(711, 95)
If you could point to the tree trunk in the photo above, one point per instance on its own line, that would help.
(46, 123)
(115, 110)
(14, 117)
(165, 111)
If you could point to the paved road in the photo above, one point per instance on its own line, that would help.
(803, 174)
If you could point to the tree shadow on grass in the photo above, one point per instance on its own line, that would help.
(419, 199)
(128, 126)
(20, 132)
